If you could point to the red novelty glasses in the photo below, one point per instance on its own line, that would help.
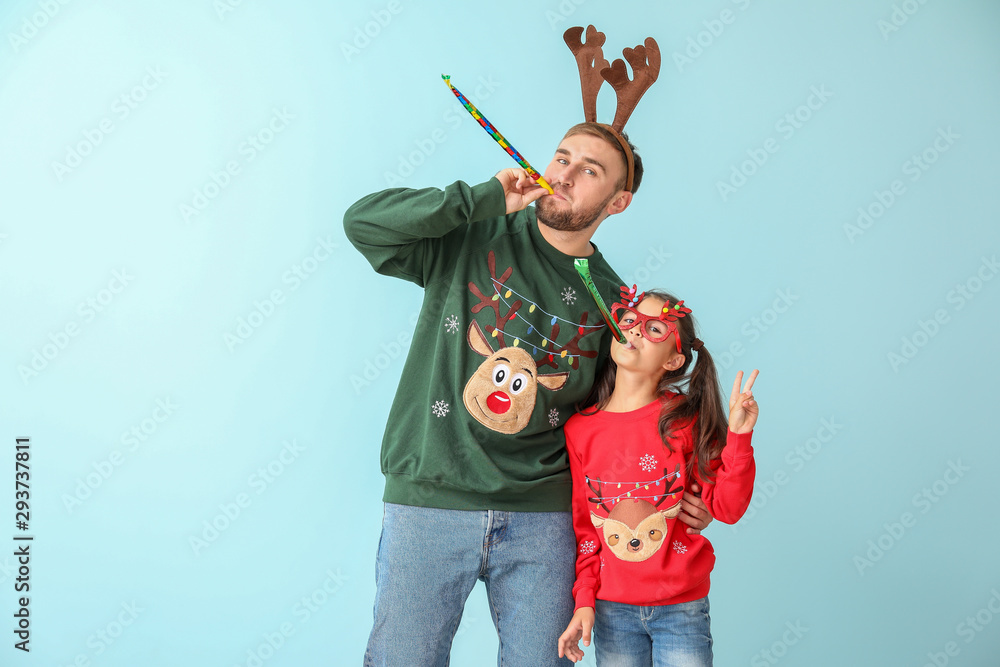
(653, 329)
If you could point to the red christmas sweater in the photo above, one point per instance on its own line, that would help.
(627, 489)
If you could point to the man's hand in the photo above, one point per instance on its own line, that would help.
(519, 189)
(579, 628)
(693, 510)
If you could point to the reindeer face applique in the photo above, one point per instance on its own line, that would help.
(501, 393)
(635, 529)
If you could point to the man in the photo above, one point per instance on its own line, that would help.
(508, 341)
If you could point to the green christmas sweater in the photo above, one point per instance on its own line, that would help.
(507, 342)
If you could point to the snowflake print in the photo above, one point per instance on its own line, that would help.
(679, 548)
(451, 324)
(588, 547)
(569, 295)
(554, 417)
(647, 462)
(440, 409)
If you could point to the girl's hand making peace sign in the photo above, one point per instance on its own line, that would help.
(742, 407)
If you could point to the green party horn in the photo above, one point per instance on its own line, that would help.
(582, 267)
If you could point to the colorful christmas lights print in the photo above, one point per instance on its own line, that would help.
(553, 319)
(633, 490)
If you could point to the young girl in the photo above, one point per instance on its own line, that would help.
(640, 578)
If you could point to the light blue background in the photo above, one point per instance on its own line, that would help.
(312, 531)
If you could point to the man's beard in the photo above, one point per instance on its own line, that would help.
(567, 221)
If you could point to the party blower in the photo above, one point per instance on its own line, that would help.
(582, 267)
(499, 138)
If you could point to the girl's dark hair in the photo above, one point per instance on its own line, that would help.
(699, 400)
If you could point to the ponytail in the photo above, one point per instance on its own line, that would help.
(702, 404)
(699, 400)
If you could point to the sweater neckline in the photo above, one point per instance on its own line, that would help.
(553, 254)
(639, 414)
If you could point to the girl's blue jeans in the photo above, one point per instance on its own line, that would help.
(430, 559)
(674, 635)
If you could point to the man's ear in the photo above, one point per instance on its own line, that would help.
(619, 203)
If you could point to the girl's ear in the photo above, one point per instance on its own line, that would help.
(674, 362)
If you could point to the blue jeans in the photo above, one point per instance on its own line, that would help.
(429, 561)
(673, 635)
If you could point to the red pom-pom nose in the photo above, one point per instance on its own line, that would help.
(498, 402)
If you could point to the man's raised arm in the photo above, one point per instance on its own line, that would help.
(396, 229)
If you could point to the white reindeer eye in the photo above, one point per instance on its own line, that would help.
(500, 374)
(518, 383)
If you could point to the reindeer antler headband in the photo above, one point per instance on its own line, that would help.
(595, 70)
(668, 315)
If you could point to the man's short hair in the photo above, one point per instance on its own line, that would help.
(602, 132)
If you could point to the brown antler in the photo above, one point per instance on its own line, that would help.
(668, 484)
(490, 300)
(597, 495)
(572, 347)
(645, 62)
(591, 61)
